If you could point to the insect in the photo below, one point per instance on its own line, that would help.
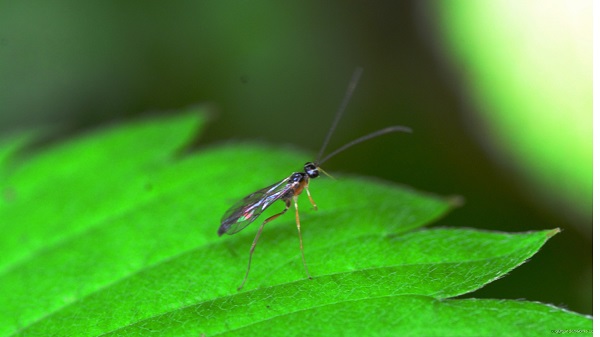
(245, 211)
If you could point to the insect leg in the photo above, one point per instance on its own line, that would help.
(269, 219)
(310, 198)
(300, 235)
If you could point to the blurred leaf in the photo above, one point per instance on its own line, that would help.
(115, 234)
(528, 134)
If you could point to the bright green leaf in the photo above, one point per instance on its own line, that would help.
(414, 315)
(115, 234)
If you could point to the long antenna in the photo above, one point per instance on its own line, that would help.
(351, 86)
(396, 128)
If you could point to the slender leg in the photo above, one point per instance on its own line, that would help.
(269, 219)
(300, 235)
(310, 198)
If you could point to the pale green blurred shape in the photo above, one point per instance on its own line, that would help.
(527, 66)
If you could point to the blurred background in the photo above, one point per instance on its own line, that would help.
(498, 93)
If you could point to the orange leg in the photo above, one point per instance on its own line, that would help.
(300, 235)
(310, 198)
(269, 219)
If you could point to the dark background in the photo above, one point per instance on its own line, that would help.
(276, 72)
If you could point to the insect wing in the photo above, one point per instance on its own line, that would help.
(245, 211)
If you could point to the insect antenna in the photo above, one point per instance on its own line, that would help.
(396, 128)
(351, 86)
(338, 115)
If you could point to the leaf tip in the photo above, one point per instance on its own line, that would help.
(456, 201)
(553, 232)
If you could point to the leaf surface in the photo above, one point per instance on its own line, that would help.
(114, 233)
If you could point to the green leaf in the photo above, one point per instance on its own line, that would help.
(114, 233)
(414, 315)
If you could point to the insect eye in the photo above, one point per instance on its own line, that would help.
(311, 169)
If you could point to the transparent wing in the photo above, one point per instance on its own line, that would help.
(245, 211)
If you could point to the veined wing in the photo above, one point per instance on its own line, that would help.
(245, 211)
